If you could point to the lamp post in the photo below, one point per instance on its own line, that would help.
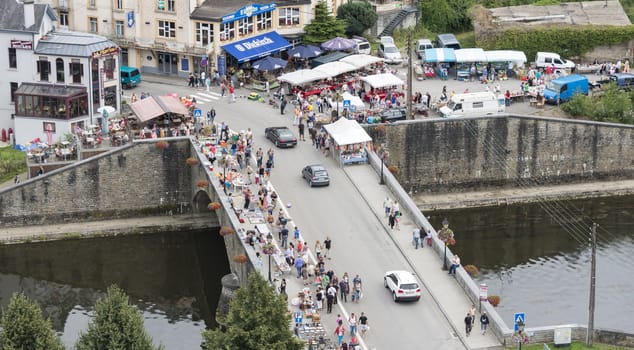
(446, 235)
(268, 249)
(383, 154)
(223, 163)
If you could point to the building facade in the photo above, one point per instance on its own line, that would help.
(21, 27)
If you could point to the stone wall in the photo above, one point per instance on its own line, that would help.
(452, 155)
(134, 180)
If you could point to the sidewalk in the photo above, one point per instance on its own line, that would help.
(444, 290)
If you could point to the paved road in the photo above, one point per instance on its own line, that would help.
(349, 212)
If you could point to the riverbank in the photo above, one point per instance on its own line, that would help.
(498, 197)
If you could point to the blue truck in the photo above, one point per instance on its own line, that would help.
(562, 89)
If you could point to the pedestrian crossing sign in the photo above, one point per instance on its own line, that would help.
(198, 113)
(518, 318)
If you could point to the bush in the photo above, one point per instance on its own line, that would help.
(472, 270)
(494, 300)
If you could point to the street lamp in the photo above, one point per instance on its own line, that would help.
(223, 162)
(446, 235)
(383, 154)
(268, 249)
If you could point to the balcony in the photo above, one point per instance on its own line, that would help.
(62, 5)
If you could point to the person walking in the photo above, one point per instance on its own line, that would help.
(387, 204)
(344, 289)
(472, 312)
(358, 288)
(416, 237)
(340, 331)
(327, 245)
(455, 263)
(484, 322)
(283, 105)
(330, 298)
(318, 248)
(391, 220)
(467, 324)
(364, 326)
(232, 92)
(284, 234)
(301, 131)
(299, 263)
(352, 321)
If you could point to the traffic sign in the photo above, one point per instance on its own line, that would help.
(518, 318)
(298, 316)
(198, 113)
(484, 291)
(346, 104)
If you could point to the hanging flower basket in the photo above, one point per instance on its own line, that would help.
(214, 206)
(494, 300)
(192, 162)
(393, 169)
(240, 259)
(226, 231)
(380, 129)
(162, 144)
(472, 270)
(451, 241)
(445, 234)
(202, 183)
(268, 249)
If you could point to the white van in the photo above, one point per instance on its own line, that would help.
(363, 46)
(421, 46)
(473, 104)
(548, 59)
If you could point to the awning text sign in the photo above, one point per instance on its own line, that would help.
(248, 11)
(22, 44)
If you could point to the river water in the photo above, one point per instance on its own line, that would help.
(537, 267)
(173, 277)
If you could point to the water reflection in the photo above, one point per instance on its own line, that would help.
(172, 277)
(538, 268)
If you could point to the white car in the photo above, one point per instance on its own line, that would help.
(402, 285)
(389, 51)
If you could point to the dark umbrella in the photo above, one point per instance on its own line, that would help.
(338, 44)
(305, 51)
(269, 63)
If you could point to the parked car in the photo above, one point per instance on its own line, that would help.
(402, 285)
(421, 46)
(363, 46)
(393, 114)
(281, 136)
(316, 175)
(550, 59)
(389, 51)
(623, 80)
(448, 41)
(130, 77)
(562, 89)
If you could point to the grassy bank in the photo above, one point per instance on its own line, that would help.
(12, 162)
(575, 346)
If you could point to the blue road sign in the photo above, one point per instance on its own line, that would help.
(298, 316)
(198, 113)
(517, 318)
(346, 104)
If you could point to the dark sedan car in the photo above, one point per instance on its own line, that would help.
(281, 136)
(316, 175)
(393, 114)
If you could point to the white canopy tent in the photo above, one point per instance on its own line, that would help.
(470, 55)
(517, 57)
(361, 60)
(332, 69)
(383, 80)
(347, 132)
(301, 77)
(354, 101)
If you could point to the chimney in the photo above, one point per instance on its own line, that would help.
(29, 13)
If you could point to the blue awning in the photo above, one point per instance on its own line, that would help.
(440, 55)
(256, 47)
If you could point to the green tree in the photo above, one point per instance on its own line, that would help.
(360, 16)
(24, 327)
(257, 320)
(445, 16)
(117, 325)
(324, 26)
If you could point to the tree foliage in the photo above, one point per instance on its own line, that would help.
(615, 105)
(257, 320)
(360, 16)
(24, 327)
(117, 325)
(445, 16)
(324, 26)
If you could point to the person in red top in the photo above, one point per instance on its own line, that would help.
(507, 98)
(232, 92)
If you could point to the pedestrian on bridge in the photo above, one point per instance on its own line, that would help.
(364, 326)
(416, 237)
(467, 323)
(327, 245)
(484, 322)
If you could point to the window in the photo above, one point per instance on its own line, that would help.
(14, 87)
(228, 31)
(204, 33)
(265, 20)
(44, 68)
(76, 71)
(109, 67)
(171, 5)
(13, 58)
(92, 3)
(93, 24)
(59, 70)
(289, 16)
(63, 19)
(119, 25)
(245, 26)
(166, 29)
(119, 4)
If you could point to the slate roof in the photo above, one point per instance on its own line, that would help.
(72, 44)
(213, 10)
(12, 16)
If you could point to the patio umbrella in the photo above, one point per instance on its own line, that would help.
(305, 51)
(338, 44)
(269, 63)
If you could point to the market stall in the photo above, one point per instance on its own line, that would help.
(506, 60)
(467, 61)
(442, 58)
(350, 141)
(361, 60)
(333, 69)
(379, 84)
